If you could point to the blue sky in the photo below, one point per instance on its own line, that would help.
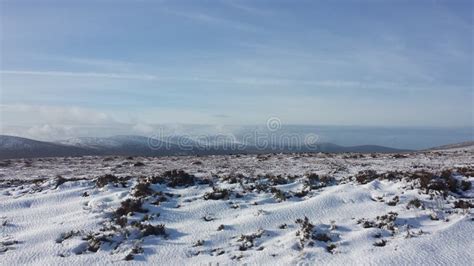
(68, 64)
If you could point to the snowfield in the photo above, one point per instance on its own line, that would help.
(353, 209)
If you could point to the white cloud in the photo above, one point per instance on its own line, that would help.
(49, 132)
(58, 115)
(143, 128)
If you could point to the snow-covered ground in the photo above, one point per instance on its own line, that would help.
(335, 209)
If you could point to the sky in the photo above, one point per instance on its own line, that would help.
(107, 67)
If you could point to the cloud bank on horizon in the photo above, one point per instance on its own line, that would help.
(105, 64)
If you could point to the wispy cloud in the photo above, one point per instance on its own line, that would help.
(255, 82)
(99, 63)
(81, 74)
(214, 20)
(250, 9)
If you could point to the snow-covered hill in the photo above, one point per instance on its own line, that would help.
(468, 145)
(121, 144)
(16, 147)
(91, 142)
(356, 209)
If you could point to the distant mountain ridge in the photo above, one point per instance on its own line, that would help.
(17, 147)
(454, 146)
(132, 145)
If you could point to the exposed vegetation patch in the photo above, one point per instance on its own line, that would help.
(59, 180)
(278, 194)
(179, 178)
(305, 232)
(67, 235)
(142, 190)
(104, 180)
(315, 181)
(130, 206)
(217, 194)
(7, 244)
(148, 229)
(463, 204)
(364, 177)
(380, 243)
(393, 201)
(247, 241)
(444, 182)
(276, 179)
(417, 203)
(386, 221)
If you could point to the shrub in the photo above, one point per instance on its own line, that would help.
(386, 221)
(198, 243)
(276, 180)
(301, 193)
(446, 174)
(5, 163)
(66, 235)
(330, 248)
(444, 183)
(248, 240)
(315, 181)
(466, 171)
(392, 175)
(106, 179)
(466, 185)
(327, 180)
(322, 237)
(59, 180)
(157, 179)
(283, 226)
(312, 177)
(380, 243)
(94, 243)
(135, 250)
(306, 230)
(121, 221)
(156, 230)
(208, 218)
(423, 177)
(179, 178)
(399, 156)
(364, 177)
(394, 201)
(217, 194)
(278, 194)
(462, 204)
(415, 202)
(159, 199)
(130, 206)
(142, 190)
